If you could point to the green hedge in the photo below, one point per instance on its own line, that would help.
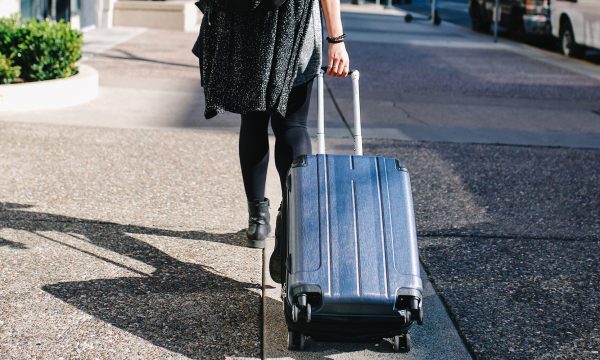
(8, 72)
(41, 50)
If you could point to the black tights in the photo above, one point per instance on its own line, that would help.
(291, 140)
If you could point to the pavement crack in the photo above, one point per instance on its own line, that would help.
(408, 115)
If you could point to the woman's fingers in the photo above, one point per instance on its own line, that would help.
(339, 64)
(341, 68)
(335, 69)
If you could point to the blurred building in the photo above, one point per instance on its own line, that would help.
(180, 15)
(83, 14)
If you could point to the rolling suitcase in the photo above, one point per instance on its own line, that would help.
(351, 265)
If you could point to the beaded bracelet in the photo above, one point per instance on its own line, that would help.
(336, 39)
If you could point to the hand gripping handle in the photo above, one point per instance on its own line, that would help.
(357, 133)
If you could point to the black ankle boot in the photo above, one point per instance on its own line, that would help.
(275, 260)
(258, 223)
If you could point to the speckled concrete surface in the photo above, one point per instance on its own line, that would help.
(511, 237)
(521, 299)
(124, 244)
(501, 191)
(165, 178)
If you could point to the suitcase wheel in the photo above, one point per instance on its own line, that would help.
(416, 309)
(420, 316)
(402, 343)
(295, 313)
(296, 340)
(303, 304)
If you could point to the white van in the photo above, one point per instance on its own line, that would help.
(576, 23)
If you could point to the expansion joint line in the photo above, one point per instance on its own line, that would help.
(446, 234)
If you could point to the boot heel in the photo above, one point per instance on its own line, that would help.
(259, 225)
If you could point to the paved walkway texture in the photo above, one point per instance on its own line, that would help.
(121, 220)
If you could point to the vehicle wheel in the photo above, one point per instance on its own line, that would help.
(308, 312)
(568, 46)
(408, 18)
(516, 24)
(437, 19)
(477, 21)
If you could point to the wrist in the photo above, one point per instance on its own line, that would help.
(336, 39)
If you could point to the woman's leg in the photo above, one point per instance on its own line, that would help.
(291, 141)
(254, 153)
(254, 160)
(291, 133)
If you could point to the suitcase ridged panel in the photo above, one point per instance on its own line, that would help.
(306, 208)
(402, 225)
(360, 232)
(354, 218)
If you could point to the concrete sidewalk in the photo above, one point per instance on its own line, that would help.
(124, 244)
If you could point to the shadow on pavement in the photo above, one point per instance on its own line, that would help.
(183, 307)
(12, 244)
(132, 57)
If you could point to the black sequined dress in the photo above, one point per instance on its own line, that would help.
(249, 61)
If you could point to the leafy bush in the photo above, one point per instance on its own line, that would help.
(8, 72)
(9, 32)
(43, 50)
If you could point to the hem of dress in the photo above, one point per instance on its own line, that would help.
(305, 79)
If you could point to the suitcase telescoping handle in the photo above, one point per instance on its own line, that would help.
(357, 133)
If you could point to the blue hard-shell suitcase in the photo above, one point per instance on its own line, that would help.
(351, 269)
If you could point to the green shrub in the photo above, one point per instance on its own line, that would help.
(43, 50)
(8, 72)
(9, 32)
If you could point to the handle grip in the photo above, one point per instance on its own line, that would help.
(357, 134)
(324, 68)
